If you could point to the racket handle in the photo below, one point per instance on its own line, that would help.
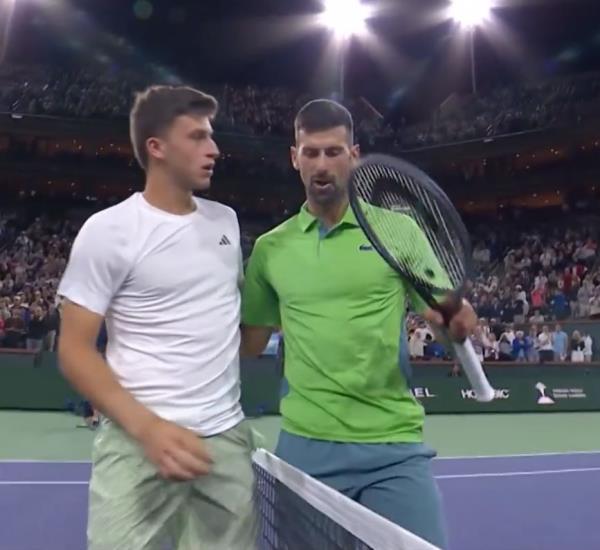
(474, 371)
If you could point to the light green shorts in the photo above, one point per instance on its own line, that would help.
(132, 508)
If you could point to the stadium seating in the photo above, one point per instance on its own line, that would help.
(263, 111)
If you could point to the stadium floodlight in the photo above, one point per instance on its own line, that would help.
(470, 13)
(345, 17)
(6, 14)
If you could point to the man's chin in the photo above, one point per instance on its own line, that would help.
(325, 199)
(202, 185)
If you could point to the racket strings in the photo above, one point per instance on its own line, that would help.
(391, 196)
(450, 255)
(431, 207)
(405, 251)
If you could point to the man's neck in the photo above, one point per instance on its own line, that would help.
(328, 215)
(162, 194)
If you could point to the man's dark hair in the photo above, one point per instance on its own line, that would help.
(157, 107)
(323, 114)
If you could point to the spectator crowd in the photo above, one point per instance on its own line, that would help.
(545, 274)
(496, 341)
(506, 110)
(31, 263)
(270, 112)
(525, 287)
(544, 277)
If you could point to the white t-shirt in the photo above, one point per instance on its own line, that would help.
(545, 342)
(595, 305)
(587, 341)
(416, 343)
(168, 287)
(510, 336)
(522, 295)
(423, 332)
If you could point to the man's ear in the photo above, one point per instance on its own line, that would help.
(155, 148)
(294, 157)
(355, 152)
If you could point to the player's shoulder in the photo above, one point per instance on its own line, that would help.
(216, 211)
(282, 231)
(114, 219)
(110, 234)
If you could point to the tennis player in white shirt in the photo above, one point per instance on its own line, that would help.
(172, 460)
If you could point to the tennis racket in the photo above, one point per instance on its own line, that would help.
(415, 228)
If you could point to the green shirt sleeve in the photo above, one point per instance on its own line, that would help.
(260, 303)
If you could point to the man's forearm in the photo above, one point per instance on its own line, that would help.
(91, 376)
(254, 340)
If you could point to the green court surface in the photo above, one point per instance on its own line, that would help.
(55, 436)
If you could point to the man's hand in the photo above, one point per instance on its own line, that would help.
(254, 340)
(461, 325)
(178, 453)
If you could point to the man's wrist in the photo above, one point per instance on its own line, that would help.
(136, 425)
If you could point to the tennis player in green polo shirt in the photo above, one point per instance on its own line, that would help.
(348, 418)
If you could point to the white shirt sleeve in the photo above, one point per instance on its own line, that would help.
(97, 265)
(240, 252)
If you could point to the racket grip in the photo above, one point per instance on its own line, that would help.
(474, 371)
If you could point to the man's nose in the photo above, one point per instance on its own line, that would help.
(321, 163)
(214, 151)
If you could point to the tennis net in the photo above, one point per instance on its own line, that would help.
(298, 512)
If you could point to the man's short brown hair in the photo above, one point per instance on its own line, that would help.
(157, 107)
(323, 114)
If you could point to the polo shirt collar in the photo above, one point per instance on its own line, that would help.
(307, 220)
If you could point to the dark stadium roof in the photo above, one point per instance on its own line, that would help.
(418, 57)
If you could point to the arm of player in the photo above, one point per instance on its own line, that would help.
(254, 340)
(260, 304)
(176, 452)
(87, 371)
(97, 267)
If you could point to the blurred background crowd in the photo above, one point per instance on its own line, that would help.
(269, 112)
(529, 275)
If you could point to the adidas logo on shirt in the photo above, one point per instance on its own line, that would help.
(224, 240)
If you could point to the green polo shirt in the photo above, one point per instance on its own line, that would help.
(340, 307)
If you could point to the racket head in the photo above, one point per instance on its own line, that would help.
(414, 226)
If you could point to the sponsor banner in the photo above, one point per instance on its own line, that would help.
(423, 393)
(498, 394)
(524, 388)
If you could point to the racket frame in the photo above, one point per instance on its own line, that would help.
(454, 297)
(464, 350)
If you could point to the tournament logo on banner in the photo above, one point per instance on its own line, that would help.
(549, 396)
(543, 399)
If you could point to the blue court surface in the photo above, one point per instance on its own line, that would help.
(521, 502)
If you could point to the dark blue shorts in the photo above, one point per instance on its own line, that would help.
(393, 479)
